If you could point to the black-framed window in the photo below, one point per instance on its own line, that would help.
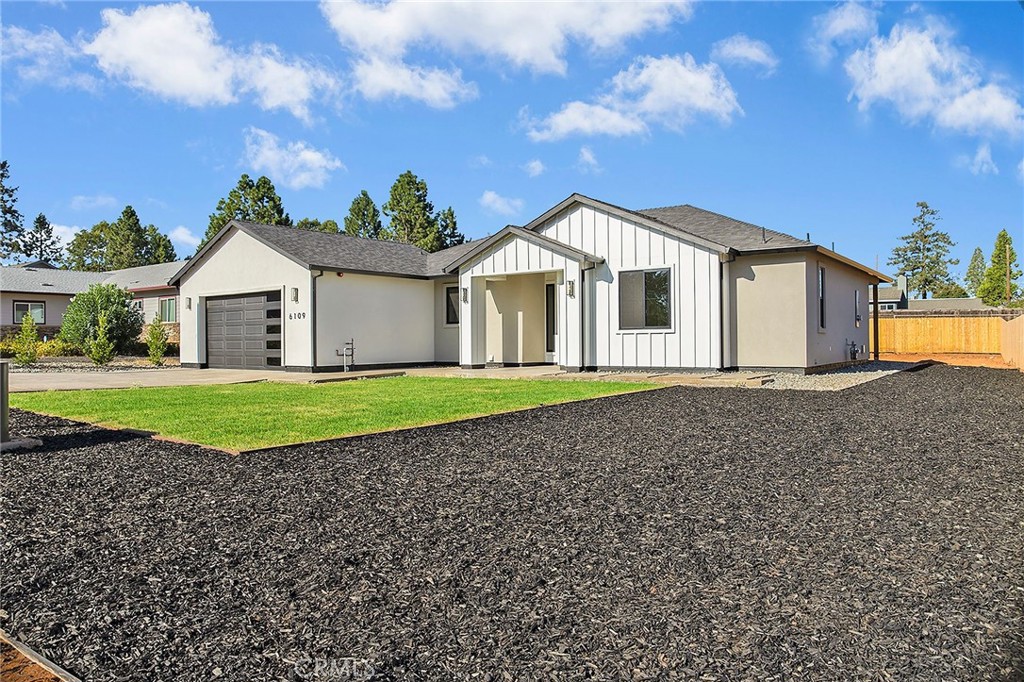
(451, 305)
(821, 297)
(37, 309)
(645, 299)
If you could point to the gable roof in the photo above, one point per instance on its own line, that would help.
(736, 234)
(522, 233)
(889, 294)
(47, 280)
(154, 276)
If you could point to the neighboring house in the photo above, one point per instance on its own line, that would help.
(947, 304)
(45, 293)
(893, 297)
(586, 285)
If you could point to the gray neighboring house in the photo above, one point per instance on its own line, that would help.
(895, 297)
(45, 292)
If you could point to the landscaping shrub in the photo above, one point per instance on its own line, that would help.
(58, 348)
(156, 341)
(27, 342)
(124, 323)
(99, 347)
(7, 346)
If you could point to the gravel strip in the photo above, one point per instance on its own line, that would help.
(723, 534)
(837, 380)
(56, 366)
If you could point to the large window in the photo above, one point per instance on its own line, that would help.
(37, 309)
(168, 310)
(645, 299)
(821, 297)
(451, 305)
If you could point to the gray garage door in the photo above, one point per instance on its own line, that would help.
(244, 332)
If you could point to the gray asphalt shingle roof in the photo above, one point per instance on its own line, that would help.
(889, 294)
(715, 227)
(144, 276)
(47, 280)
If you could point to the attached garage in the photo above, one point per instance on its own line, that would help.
(244, 332)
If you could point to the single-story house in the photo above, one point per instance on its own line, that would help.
(45, 292)
(892, 297)
(586, 285)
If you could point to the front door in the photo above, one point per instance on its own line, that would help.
(550, 322)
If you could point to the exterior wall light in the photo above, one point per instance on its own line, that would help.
(570, 288)
(465, 294)
(295, 295)
(188, 303)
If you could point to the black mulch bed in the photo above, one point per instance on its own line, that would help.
(875, 533)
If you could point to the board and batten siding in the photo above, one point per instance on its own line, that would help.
(694, 339)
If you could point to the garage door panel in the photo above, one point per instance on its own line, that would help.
(237, 335)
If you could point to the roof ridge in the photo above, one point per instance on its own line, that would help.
(729, 217)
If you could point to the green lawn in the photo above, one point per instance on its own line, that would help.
(247, 416)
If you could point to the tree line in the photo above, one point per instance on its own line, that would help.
(923, 258)
(126, 242)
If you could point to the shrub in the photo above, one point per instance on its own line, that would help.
(156, 341)
(58, 348)
(124, 324)
(7, 346)
(27, 342)
(99, 347)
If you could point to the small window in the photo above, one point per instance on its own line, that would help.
(645, 299)
(273, 362)
(274, 314)
(451, 305)
(887, 306)
(273, 345)
(273, 296)
(821, 297)
(168, 310)
(37, 309)
(273, 329)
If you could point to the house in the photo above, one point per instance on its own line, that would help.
(45, 292)
(585, 285)
(893, 297)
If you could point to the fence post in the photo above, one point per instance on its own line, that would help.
(874, 300)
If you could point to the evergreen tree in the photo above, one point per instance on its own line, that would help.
(88, 249)
(411, 213)
(975, 272)
(993, 288)
(158, 247)
(26, 344)
(314, 225)
(121, 244)
(126, 241)
(11, 220)
(363, 219)
(39, 243)
(448, 228)
(256, 202)
(949, 290)
(924, 257)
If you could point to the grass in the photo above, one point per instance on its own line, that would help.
(248, 416)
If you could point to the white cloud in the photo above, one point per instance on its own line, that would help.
(64, 233)
(524, 35)
(982, 163)
(843, 24)
(534, 168)
(81, 202)
(495, 203)
(480, 161)
(377, 79)
(924, 75)
(293, 164)
(174, 52)
(586, 162)
(745, 51)
(1020, 171)
(182, 236)
(670, 91)
(44, 57)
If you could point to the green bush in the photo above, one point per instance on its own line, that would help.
(27, 342)
(99, 347)
(7, 346)
(156, 341)
(81, 321)
(58, 348)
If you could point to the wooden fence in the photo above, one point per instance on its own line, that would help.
(959, 333)
(1012, 342)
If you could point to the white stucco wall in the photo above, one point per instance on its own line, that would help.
(54, 308)
(767, 311)
(832, 344)
(391, 319)
(240, 264)
(515, 320)
(694, 339)
(446, 337)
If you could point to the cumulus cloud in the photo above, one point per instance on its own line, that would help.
(671, 91)
(742, 50)
(294, 164)
(843, 24)
(534, 168)
(64, 233)
(182, 236)
(45, 57)
(495, 203)
(480, 161)
(381, 36)
(925, 76)
(586, 162)
(81, 202)
(982, 163)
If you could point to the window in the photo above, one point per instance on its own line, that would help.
(549, 318)
(451, 305)
(821, 297)
(37, 309)
(168, 310)
(887, 306)
(645, 299)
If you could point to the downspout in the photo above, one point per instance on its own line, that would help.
(583, 320)
(312, 318)
(874, 291)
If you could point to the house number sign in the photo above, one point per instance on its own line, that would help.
(296, 316)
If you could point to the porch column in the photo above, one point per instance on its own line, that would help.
(472, 321)
(874, 305)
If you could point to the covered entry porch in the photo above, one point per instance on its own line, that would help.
(522, 302)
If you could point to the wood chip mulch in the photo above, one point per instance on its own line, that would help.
(875, 533)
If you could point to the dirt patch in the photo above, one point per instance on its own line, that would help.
(957, 359)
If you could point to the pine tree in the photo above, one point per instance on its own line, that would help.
(126, 241)
(26, 344)
(411, 213)
(315, 225)
(256, 202)
(88, 249)
(39, 243)
(924, 256)
(993, 288)
(11, 220)
(975, 272)
(448, 228)
(158, 247)
(363, 219)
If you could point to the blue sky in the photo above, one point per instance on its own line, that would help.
(832, 119)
